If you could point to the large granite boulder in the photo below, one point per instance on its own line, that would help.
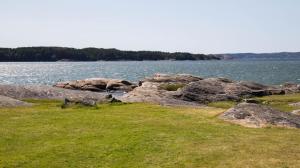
(255, 115)
(49, 92)
(10, 102)
(97, 85)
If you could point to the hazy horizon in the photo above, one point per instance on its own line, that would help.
(204, 26)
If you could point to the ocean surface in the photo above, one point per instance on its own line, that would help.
(267, 72)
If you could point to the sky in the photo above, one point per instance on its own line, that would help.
(196, 26)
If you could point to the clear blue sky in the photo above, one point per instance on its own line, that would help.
(198, 26)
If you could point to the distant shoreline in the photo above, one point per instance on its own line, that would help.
(54, 54)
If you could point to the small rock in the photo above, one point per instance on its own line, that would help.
(297, 112)
(291, 87)
(84, 102)
(295, 104)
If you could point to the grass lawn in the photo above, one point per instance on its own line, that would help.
(138, 135)
(281, 102)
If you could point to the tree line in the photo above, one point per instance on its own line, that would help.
(26, 54)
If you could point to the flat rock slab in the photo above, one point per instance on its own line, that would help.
(167, 78)
(49, 92)
(257, 116)
(97, 85)
(222, 89)
(10, 102)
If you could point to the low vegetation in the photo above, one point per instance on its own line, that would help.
(222, 104)
(171, 86)
(281, 102)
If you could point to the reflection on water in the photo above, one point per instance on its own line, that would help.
(269, 72)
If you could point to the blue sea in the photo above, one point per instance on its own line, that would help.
(266, 71)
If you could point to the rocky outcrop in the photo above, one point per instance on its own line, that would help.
(10, 102)
(98, 85)
(167, 78)
(255, 115)
(154, 90)
(222, 89)
(49, 92)
(196, 90)
(151, 92)
(291, 87)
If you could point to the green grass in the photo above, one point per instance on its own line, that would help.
(281, 102)
(222, 104)
(171, 86)
(138, 135)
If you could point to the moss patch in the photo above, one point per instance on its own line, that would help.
(222, 104)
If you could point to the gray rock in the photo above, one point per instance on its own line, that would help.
(291, 87)
(255, 115)
(166, 78)
(149, 92)
(196, 90)
(85, 102)
(97, 85)
(49, 92)
(220, 89)
(10, 102)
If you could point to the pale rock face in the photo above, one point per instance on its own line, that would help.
(166, 78)
(297, 112)
(97, 85)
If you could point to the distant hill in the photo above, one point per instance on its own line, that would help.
(262, 56)
(92, 54)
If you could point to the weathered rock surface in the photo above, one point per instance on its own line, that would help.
(150, 92)
(166, 78)
(221, 89)
(291, 88)
(297, 112)
(49, 92)
(10, 102)
(255, 115)
(97, 85)
(197, 90)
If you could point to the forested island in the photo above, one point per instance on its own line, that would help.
(36, 54)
